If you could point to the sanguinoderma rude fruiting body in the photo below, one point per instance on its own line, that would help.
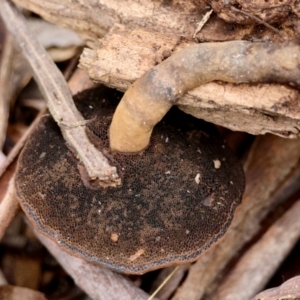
(176, 199)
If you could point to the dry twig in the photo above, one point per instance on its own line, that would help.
(170, 287)
(259, 21)
(58, 97)
(202, 22)
(6, 74)
(164, 283)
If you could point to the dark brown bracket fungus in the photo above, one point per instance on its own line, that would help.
(176, 199)
(180, 183)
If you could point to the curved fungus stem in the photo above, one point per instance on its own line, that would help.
(146, 102)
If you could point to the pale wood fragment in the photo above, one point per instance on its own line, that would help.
(93, 19)
(258, 264)
(125, 54)
(9, 206)
(272, 174)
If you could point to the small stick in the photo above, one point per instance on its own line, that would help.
(163, 283)
(173, 283)
(58, 97)
(202, 22)
(78, 82)
(258, 20)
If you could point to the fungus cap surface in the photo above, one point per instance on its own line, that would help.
(176, 198)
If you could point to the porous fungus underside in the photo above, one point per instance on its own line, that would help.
(177, 197)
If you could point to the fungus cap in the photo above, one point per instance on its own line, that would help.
(177, 197)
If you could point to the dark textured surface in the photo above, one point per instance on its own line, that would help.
(160, 215)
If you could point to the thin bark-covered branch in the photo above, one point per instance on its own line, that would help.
(58, 97)
(93, 19)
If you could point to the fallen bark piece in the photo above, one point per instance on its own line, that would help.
(181, 18)
(289, 290)
(258, 264)
(256, 109)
